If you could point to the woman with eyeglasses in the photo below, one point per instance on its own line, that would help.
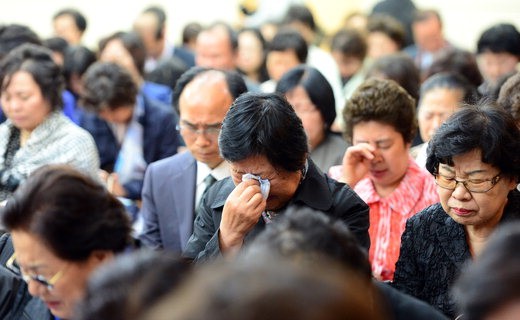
(63, 226)
(476, 164)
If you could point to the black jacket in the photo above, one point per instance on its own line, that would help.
(433, 252)
(15, 301)
(316, 191)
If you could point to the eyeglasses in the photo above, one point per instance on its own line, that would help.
(472, 185)
(210, 130)
(49, 284)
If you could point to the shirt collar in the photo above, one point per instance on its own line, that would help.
(219, 172)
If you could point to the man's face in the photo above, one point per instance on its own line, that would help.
(65, 27)
(146, 25)
(428, 35)
(203, 104)
(213, 50)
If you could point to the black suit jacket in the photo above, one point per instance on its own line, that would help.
(316, 191)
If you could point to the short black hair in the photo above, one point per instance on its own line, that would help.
(125, 287)
(453, 81)
(389, 26)
(160, 15)
(56, 44)
(302, 231)
(134, 45)
(108, 85)
(300, 13)
(72, 214)
(315, 85)
(79, 19)
(503, 37)
(458, 61)
(190, 32)
(289, 39)
(235, 82)
(14, 35)
(37, 61)
(264, 124)
(485, 127)
(349, 42)
(76, 61)
(400, 68)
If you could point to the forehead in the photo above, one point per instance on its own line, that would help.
(146, 21)
(21, 80)
(468, 162)
(29, 249)
(439, 97)
(254, 164)
(373, 131)
(207, 93)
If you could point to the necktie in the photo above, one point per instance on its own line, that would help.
(208, 182)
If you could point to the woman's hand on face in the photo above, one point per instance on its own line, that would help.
(356, 163)
(243, 208)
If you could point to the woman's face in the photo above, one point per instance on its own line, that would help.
(69, 278)
(312, 121)
(283, 183)
(435, 107)
(250, 52)
(475, 210)
(23, 102)
(390, 162)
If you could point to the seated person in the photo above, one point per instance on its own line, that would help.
(63, 225)
(476, 164)
(264, 142)
(127, 49)
(441, 95)
(311, 96)
(129, 284)
(380, 118)
(130, 130)
(502, 298)
(498, 54)
(303, 234)
(268, 288)
(287, 50)
(174, 186)
(36, 131)
(386, 35)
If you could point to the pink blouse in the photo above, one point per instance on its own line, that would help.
(388, 215)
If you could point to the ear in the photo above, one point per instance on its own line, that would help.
(101, 256)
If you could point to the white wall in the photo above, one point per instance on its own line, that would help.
(464, 20)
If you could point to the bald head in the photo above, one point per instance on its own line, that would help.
(203, 103)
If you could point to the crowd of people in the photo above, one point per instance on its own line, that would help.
(260, 172)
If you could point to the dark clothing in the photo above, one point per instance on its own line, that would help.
(401, 306)
(15, 301)
(185, 55)
(160, 138)
(316, 191)
(433, 252)
(402, 10)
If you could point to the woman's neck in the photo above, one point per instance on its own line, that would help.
(24, 136)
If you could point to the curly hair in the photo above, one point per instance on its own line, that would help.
(383, 101)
